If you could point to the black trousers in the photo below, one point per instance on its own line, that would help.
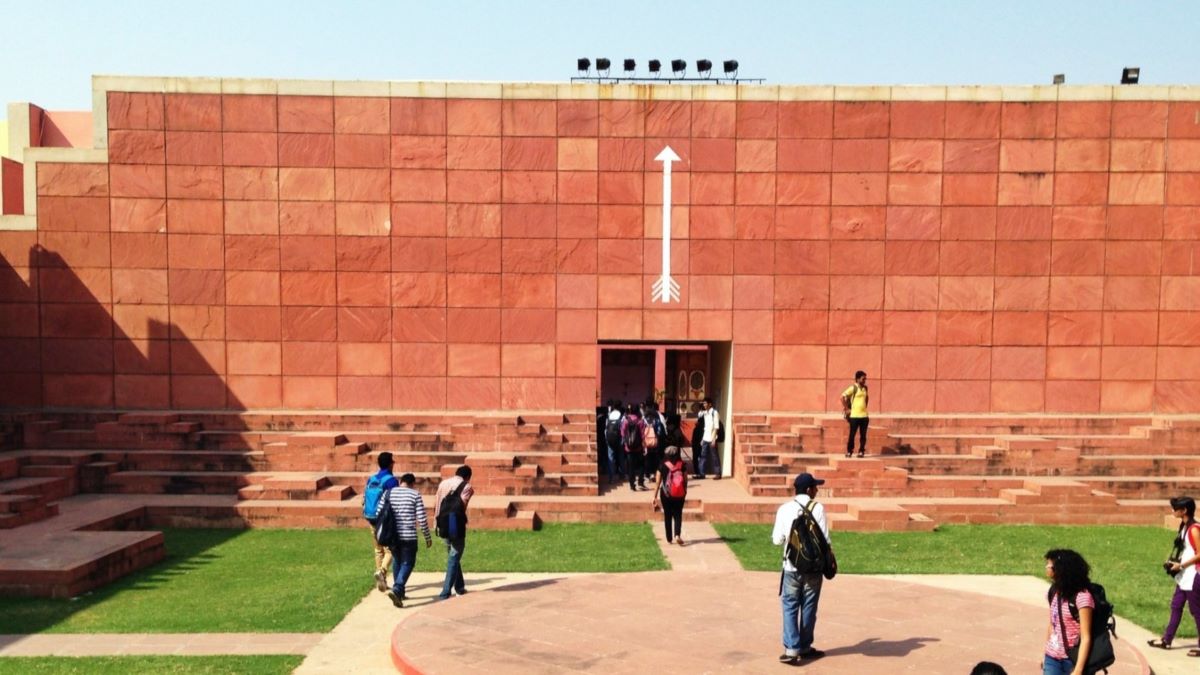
(858, 424)
(636, 460)
(672, 509)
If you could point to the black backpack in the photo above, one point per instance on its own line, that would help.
(633, 436)
(612, 432)
(452, 515)
(386, 532)
(660, 430)
(1104, 628)
(806, 546)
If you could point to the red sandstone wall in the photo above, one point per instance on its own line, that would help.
(236, 253)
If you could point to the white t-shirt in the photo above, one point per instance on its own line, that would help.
(783, 522)
(712, 420)
(1187, 578)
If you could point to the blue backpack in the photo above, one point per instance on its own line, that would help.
(376, 485)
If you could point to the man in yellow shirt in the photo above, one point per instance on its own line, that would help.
(854, 409)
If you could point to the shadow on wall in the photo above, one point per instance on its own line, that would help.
(112, 351)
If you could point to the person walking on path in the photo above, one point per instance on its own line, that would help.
(632, 432)
(670, 490)
(1182, 565)
(450, 513)
(710, 458)
(854, 409)
(409, 510)
(1069, 584)
(800, 593)
(379, 483)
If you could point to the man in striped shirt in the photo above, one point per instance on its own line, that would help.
(410, 512)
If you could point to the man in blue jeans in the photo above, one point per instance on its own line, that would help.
(799, 593)
(410, 512)
(459, 483)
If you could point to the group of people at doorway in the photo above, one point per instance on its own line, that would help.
(632, 440)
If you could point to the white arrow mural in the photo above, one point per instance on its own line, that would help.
(666, 289)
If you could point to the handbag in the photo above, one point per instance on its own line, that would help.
(1101, 655)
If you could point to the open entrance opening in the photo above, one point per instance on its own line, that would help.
(675, 377)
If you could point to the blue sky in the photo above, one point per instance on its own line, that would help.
(53, 48)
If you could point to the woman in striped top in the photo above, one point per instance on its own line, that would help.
(1068, 573)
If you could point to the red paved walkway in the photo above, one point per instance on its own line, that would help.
(728, 623)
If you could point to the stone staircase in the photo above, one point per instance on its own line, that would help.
(981, 469)
(128, 471)
(277, 460)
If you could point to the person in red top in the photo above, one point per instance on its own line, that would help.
(1068, 574)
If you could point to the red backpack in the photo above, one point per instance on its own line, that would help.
(675, 486)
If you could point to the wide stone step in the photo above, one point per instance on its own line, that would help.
(175, 482)
(37, 512)
(184, 460)
(50, 488)
(69, 564)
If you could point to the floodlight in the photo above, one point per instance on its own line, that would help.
(1060, 79)
(678, 65)
(1130, 75)
(730, 67)
(603, 64)
(655, 66)
(630, 65)
(584, 65)
(704, 67)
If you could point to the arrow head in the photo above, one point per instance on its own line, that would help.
(667, 155)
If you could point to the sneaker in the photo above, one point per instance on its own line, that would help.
(443, 597)
(789, 659)
(381, 581)
(813, 654)
(395, 599)
(679, 540)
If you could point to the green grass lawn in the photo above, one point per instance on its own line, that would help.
(1126, 560)
(173, 665)
(303, 580)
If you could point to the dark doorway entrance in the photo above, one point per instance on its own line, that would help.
(676, 377)
(627, 374)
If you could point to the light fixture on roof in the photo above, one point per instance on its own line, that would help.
(655, 66)
(602, 66)
(730, 67)
(1130, 75)
(678, 66)
(584, 65)
(630, 65)
(1060, 78)
(704, 67)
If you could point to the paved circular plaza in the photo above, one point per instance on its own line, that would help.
(678, 622)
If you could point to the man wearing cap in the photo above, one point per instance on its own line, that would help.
(799, 593)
